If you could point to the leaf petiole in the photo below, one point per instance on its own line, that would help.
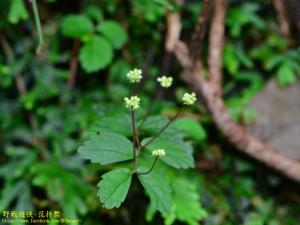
(152, 167)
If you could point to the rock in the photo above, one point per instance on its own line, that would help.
(278, 117)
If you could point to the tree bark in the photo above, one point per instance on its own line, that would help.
(209, 89)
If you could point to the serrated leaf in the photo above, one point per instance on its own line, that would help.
(190, 127)
(17, 11)
(119, 123)
(76, 26)
(106, 148)
(176, 155)
(96, 54)
(114, 187)
(158, 190)
(114, 32)
(186, 203)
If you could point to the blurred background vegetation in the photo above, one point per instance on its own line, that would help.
(48, 102)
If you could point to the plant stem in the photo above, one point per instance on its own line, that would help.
(134, 139)
(162, 130)
(73, 65)
(38, 26)
(152, 167)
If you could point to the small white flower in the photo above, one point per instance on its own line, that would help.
(134, 76)
(189, 99)
(132, 103)
(158, 152)
(165, 81)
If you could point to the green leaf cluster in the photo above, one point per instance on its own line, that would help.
(99, 37)
(108, 142)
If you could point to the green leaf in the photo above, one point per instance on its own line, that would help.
(61, 186)
(285, 75)
(158, 190)
(94, 12)
(273, 61)
(76, 26)
(153, 124)
(114, 32)
(118, 123)
(96, 54)
(10, 193)
(106, 148)
(238, 17)
(114, 187)
(231, 62)
(17, 11)
(190, 127)
(118, 70)
(186, 203)
(176, 155)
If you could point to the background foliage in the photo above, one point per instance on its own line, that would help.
(44, 117)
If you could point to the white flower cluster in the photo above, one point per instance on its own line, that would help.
(134, 76)
(189, 99)
(132, 103)
(158, 152)
(165, 81)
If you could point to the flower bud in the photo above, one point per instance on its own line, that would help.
(134, 76)
(132, 103)
(189, 99)
(165, 82)
(158, 152)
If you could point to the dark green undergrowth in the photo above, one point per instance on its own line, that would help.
(48, 110)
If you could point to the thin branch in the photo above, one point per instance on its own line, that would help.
(7, 49)
(173, 30)
(161, 130)
(282, 17)
(235, 133)
(216, 39)
(19, 81)
(200, 28)
(73, 65)
(38, 26)
(22, 89)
